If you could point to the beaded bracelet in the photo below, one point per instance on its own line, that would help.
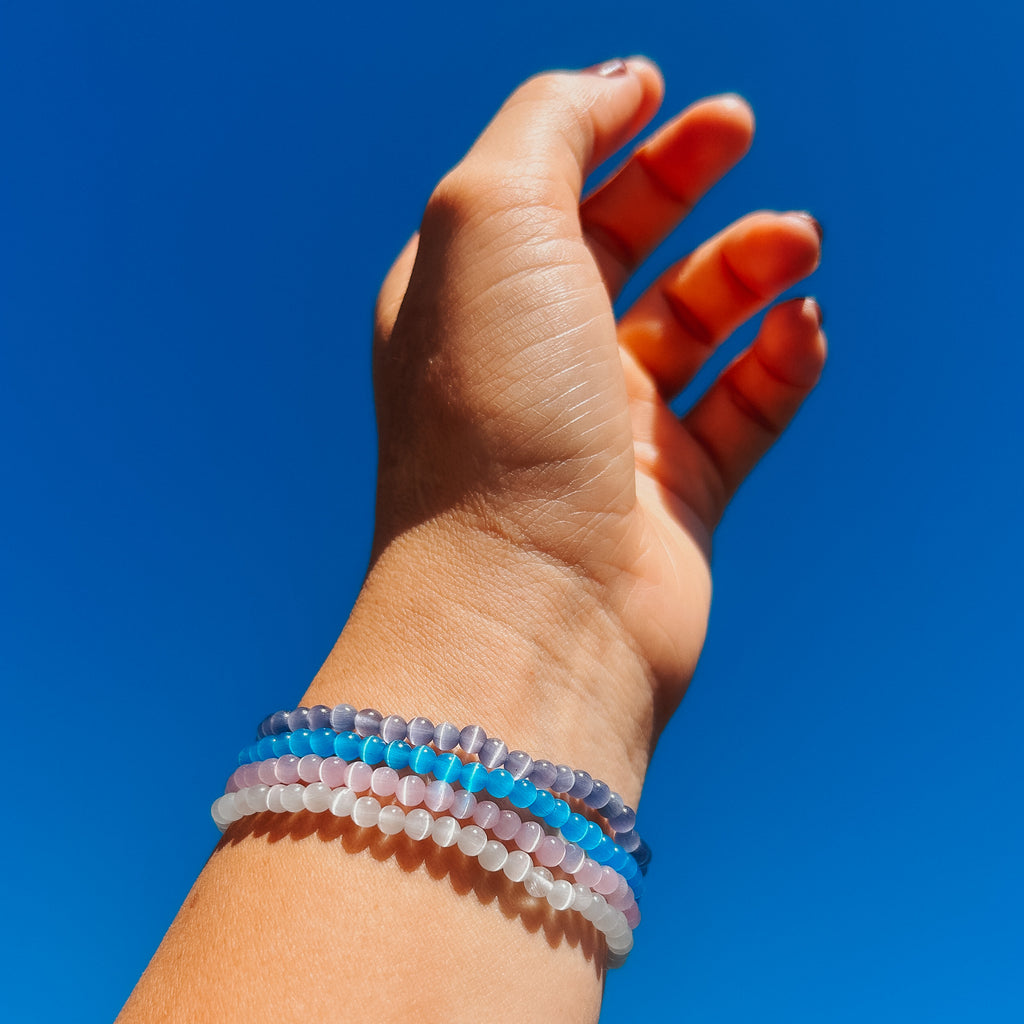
(411, 791)
(418, 824)
(492, 752)
(448, 767)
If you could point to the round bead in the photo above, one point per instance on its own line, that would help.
(438, 795)
(507, 825)
(629, 841)
(602, 853)
(493, 856)
(366, 812)
(360, 776)
(575, 828)
(471, 739)
(486, 814)
(599, 795)
(582, 897)
(256, 798)
(343, 801)
(298, 742)
(368, 721)
(333, 772)
(559, 814)
(287, 769)
(524, 792)
(418, 823)
(348, 745)
(550, 852)
(565, 779)
(542, 774)
(538, 882)
(623, 822)
(446, 736)
(343, 717)
(421, 730)
(560, 895)
(321, 741)
(422, 760)
(596, 908)
(582, 786)
(291, 798)
(473, 777)
(517, 866)
(279, 744)
(543, 804)
(500, 783)
(393, 729)
(383, 781)
(630, 869)
(591, 837)
(529, 836)
(319, 717)
(267, 772)
(614, 806)
(518, 764)
(621, 897)
(309, 768)
(588, 873)
(372, 750)
(278, 722)
(463, 804)
(618, 859)
(632, 916)
(493, 753)
(396, 754)
(607, 883)
(275, 799)
(445, 831)
(316, 797)
(472, 839)
(298, 719)
(573, 859)
(391, 820)
(620, 945)
(410, 790)
(447, 768)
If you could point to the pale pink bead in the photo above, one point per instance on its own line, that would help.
(411, 790)
(632, 916)
(623, 895)
(309, 768)
(384, 781)
(439, 795)
(463, 804)
(589, 873)
(334, 772)
(233, 786)
(550, 851)
(507, 825)
(486, 814)
(608, 882)
(250, 775)
(287, 770)
(359, 776)
(267, 772)
(529, 836)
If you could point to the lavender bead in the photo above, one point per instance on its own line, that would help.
(420, 731)
(622, 822)
(507, 825)
(493, 753)
(264, 727)
(368, 722)
(446, 736)
(278, 723)
(599, 795)
(582, 786)
(542, 774)
(615, 806)
(463, 804)
(319, 717)
(343, 717)
(519, 764)
(298, 719)
(629, 841)
(573, 859)
(565, 779)
(393, 728)
(472, 738)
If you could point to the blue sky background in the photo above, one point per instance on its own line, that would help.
(197, 203)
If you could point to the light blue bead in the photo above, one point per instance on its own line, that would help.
(619, 859)
(298, 742)
(397, 754)
(322, 742)
(279, 745)
(422, 760)
(543, 805)
(559, 815)
(591, 837)
(265, 748)
(602, 853)
(500, 783)
(347, 745)
(473, 777)
(447, 768)
(630, 869)
(575, 829)
(372, 750)
(524, 792)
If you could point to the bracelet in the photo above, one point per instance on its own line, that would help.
(410, 791)
(448, 768)
(492, 752)
(419, 824)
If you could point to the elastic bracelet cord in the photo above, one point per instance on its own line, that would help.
(449, 767)
(410, 791)
(491, 751)
(419, 824)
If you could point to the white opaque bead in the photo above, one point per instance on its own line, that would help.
(518, 866)
(366, 812)
(418, 823)
(255, 798)
(620, 944)
(560, 895)
(539, 882)
(472, 839)
(275, 798)
(582, 897)
(342, 802)
(493, 855)
(596, 909)
(316, 798)
(605, 921)
(219, 809)
(292, 797)
(391, 820)
(445, 831)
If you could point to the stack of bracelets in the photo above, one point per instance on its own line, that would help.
(330, 760)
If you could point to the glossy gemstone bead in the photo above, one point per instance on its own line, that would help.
(486, 814)
(499, 783)
(642, 856)
(529, 836)
(360, 776)
(366, 811)
(543, 804)
(309, 768)
(393, 729)
(396, 754)
(596, 908)
(543, 774)
(591, 837)
(264, 749)
(473, 777)
(600, 794)
(550, 852)
(614, 806)
(493, 856)
(298, 742)
(275, 799)
(447, 768)
(291, 797)
(280, 744)
(422, 760)
(463, 804)
(624, 821)
(565, 779)
(493, 753)
(418, 823)
(343, 718)
(420, 731)
(517, 866)
(372, 750)
(267, 772)
(368, 722)
(391, 820)
(446, 736)
(560, 894)
(445, 832)
(573, 859)
(582, 897)
(319, 717)
(538, 882)
(618, 859)
(472, 839)
(507, 825)
(348, 745)
(604, 849)
(410, 790)
(287, 769)
(333, 772)
(588, 873)
(298, 719)
(471, 739)
(316, 797)
(438, 795)
(575, 828)
(629, 841)
(582, 786)
(518, 764)
(607, 882)
(383, 781)
(524, 792)
(278, 722)
(559, 814)
(630, 869)
(632, 916)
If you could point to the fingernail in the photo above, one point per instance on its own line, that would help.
(819, 313)
(814, 220)
(609, 69)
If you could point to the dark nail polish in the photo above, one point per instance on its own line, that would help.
(609, 69)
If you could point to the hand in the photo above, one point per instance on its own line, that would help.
(528, 454)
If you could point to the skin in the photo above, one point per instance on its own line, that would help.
(541, 557)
